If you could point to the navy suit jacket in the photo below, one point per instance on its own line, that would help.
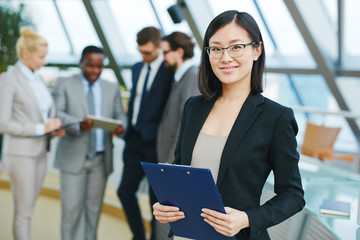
(154, 103)
(262, 139)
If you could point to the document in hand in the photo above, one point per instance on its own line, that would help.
(190, 189)
(107, 124)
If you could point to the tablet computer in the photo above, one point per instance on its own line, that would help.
(107, 124)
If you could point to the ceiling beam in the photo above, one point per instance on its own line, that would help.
(67, 35)
(195, 18)
(96, 23)
(340, 31)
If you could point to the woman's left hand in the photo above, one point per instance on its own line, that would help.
(228, 224)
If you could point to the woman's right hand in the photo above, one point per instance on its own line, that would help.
(52, 125)
(166, 214)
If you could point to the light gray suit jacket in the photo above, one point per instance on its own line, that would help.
(170, 122)
(71, 106)
(19, 114)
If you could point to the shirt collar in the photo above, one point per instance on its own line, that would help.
(86, 82)
(182, 70)
(29, 75)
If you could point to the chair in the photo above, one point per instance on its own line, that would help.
(319, 142)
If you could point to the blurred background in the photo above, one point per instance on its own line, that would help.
(312, 47)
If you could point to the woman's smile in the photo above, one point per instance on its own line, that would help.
(228, 69)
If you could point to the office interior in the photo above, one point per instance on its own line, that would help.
(312, 66)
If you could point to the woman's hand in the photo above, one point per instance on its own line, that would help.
(166, 214)
(228, 224)
(52, 125)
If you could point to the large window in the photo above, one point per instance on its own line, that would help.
(312, 60)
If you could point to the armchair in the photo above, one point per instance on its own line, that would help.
(319, 143)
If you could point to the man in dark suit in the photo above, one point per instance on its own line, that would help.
(178, 51)
(152, 83)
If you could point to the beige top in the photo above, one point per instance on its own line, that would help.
(207, 154)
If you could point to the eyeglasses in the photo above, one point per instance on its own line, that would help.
(235, 51)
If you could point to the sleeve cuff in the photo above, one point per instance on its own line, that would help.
(40, 129)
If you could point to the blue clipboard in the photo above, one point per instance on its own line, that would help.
(190, 189)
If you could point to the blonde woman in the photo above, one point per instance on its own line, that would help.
(26, 108)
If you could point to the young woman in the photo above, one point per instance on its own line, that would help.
(26, 108)
(239, 134)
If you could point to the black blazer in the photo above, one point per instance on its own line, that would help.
(154, 103)
(262, 139)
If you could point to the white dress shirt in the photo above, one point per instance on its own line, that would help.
(42, 95)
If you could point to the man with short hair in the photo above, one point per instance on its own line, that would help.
(151, 87)
(178, 49)
(84, 155)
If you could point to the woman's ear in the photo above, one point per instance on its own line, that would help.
(258, 52)
(24, 54)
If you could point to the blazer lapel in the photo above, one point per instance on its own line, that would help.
(246, 117)
(136, 74)
(79, 91)
(104, 98)
(22, 81)
(135, 79)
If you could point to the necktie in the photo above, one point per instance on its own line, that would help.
(91, 151)
(143, 96)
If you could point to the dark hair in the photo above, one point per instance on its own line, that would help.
(91, 49)
(149, 34)
(181, 40)
(208, 83)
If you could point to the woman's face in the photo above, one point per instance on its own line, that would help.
(36, 59)
(230, 70)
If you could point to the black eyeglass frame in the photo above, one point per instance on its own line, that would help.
(207, 49)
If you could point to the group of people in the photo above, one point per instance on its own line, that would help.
(213, 117)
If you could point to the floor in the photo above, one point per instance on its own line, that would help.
(46, 220)
(46, 217)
